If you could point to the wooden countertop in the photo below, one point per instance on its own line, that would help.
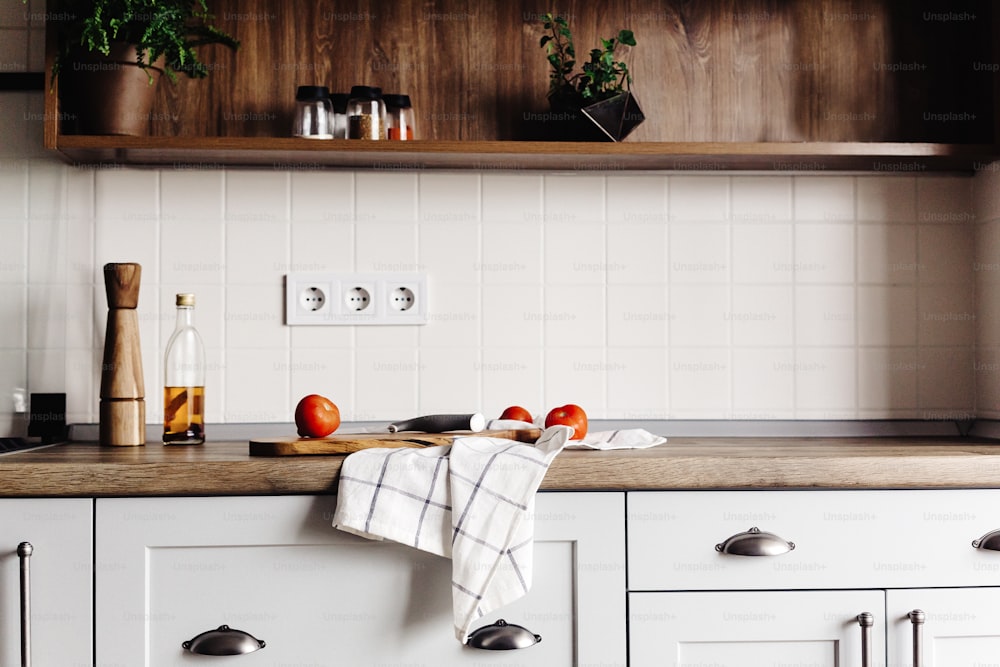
(226, 468)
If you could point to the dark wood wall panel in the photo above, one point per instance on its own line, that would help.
(705, 70)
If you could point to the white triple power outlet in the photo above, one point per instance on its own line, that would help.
(355, 298)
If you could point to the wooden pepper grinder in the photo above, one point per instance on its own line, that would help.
(123, 405)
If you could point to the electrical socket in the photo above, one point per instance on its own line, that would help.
(355, 298)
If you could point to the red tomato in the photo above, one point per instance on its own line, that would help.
(316, 416)
(516, 412)
(570, 415)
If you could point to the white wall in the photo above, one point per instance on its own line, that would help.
(637, 295)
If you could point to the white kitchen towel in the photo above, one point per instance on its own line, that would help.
(472, 501)
(626, 438)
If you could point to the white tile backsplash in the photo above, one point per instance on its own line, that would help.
(645, 295)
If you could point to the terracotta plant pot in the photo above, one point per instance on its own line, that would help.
(107, 94)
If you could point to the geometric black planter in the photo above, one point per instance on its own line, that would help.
(608, 120)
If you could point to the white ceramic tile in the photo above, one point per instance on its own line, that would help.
(14, 15)
(13, 181)
(946, 254)
(388, 337)
(187, 195)
(13, 377)
(256, 252)
(385, 196)
(319, 246)
(574, 254)
(986, 265)
(511, 253)
(511, 197)
(700, 383)
(824, 316)
(987, 372)
(122, 240)
(761, 199)
(449, 381)
(824, 253)
(46, 371)
(577, 375)
(210, 314)
(128, 195)
(36, 49)
(573, 199)
(29, 142)
(637, 199)
(80, 189)
(575, 316)
(14, 313)
(887, 198)
(762, 316)
(387, 382)
(46, 189)
(385, 246)
(80, 323)
(986, 192)
(824, 198)
(322, 196)
(762, 253)
(192, 251)
(48, 251)
(19, 133)
(947, 316)
(450, 250)
(454, 318)
(14, 49)
(638, 382)
(887, 254)
(698, 198)
(254, 317)
(887, 379)
(14, 252)
(763, 383)
(887, 316)
(946, 383)
(256, 196)
(322, 337)
(512, 376)
(944, 199)
(512, 316)
(257, 387)
(636, 253)
(448, 197)
(698, 316)
(825, 380)
(637, 316)
(82, 387)
(327, 372)
(987, 302)
(699, 253)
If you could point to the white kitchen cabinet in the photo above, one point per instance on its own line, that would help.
(60, 567)
(961, 627)
(169, 569)
(754, 629)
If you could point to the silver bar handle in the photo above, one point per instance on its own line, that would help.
(24, 551)
(917, 618)
(866, 620)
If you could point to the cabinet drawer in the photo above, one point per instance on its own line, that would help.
(856, 539)
(169, 569)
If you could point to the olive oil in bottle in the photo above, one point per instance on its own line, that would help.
(184, 380)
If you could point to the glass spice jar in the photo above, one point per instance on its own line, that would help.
(366, 114)
(338, 115)
(398, 117)
(312, 113)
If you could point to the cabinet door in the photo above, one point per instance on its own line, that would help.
(754, 629)
(169, 569)
(60, 531)
(961, 627)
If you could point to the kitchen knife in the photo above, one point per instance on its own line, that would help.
(441, 423)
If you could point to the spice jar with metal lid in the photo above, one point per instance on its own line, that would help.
(312, 113)
(366, 113)
(398, 117)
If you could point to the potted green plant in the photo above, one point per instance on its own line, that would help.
(598, 96)
(111, 53)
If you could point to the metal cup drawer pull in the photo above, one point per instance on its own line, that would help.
(990, 541)
(223, 641)
(866, 620)
(755, 542)
(502, 636)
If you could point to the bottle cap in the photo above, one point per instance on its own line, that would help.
(365, 93)
(185, 299)
(339, 101)
(307, 93)
(397, 101)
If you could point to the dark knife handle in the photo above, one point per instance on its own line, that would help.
(441, 423)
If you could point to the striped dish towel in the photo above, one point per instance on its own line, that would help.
(472, 501)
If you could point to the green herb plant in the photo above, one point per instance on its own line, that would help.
(599, 79)
(173, 29)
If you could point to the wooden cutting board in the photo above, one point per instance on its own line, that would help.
(345, 443)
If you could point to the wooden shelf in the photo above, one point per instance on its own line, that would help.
(290, 153)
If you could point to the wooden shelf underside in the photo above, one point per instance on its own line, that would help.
(292, 153)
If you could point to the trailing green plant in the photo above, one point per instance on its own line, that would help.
(173, 29)
(598, 79)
